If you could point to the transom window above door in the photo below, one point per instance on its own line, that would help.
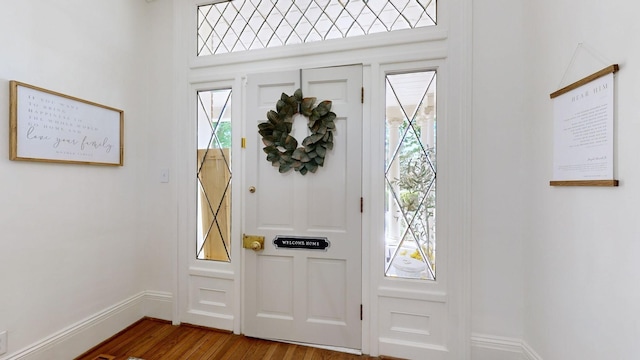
(240, 25)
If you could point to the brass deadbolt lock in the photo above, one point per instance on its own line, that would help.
(253, 242)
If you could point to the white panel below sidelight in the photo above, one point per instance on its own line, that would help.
(211, 297)
(411, 320)
(409, 323)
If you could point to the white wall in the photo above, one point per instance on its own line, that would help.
(553, 266)
(79, 239)
(498, 199)
(74, 237)
(160, 218)
(581, 247)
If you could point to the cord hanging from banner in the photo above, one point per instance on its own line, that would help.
(582, 48)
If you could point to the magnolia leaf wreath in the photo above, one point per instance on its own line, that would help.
(282, 149)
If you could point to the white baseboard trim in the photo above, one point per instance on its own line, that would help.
(83, 335)
(496, 343)
(490, 347)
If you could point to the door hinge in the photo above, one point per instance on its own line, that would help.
(362, 95)
(361, 311)
(361, 205)
(243, 143)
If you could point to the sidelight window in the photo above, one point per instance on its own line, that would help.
(410, 175)
(214, 175)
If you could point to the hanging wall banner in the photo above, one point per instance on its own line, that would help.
(301, 242)
(583, 133)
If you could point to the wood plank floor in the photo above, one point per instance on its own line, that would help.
(152, 339)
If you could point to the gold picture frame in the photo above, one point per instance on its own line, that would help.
(47, 126)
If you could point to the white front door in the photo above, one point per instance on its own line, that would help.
(304, 294)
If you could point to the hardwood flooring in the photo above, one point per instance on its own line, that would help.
(152, 339)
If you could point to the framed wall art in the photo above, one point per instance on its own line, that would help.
(51, 127)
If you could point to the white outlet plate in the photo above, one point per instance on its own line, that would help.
(3, 342)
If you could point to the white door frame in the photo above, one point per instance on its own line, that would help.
(420, 45)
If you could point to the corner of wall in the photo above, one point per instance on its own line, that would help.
(85, 334)
(529, 353)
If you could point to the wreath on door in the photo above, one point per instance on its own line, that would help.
(282, 149)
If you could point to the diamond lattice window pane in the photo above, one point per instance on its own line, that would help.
(410, 175)
(254, 24)
(214, 175)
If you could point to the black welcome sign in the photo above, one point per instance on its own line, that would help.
(301, 242)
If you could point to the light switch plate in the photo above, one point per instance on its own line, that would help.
(164, 175)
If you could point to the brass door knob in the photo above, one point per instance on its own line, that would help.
(252, 189)
(256, 246)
